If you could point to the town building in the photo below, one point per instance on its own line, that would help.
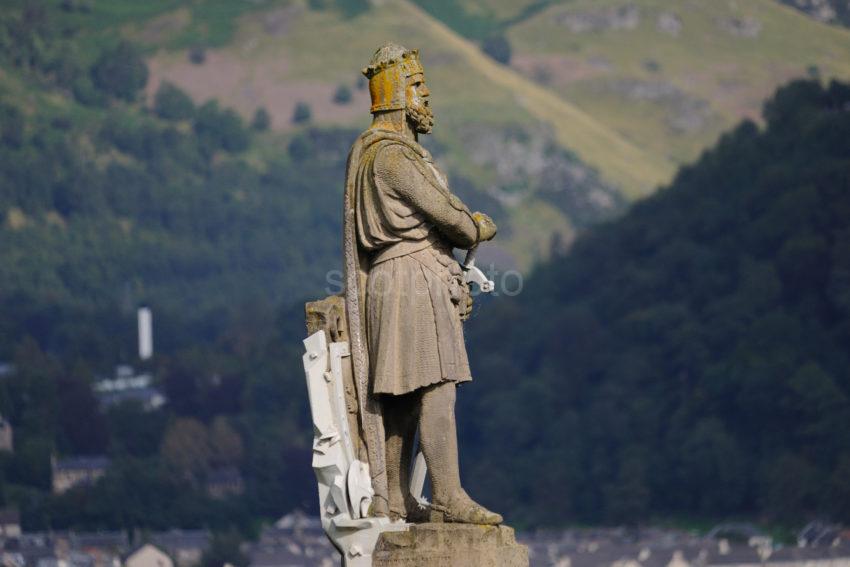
(148, 555)
(185, 547)
(295, 540)
(10, 523)
(224, 482)
(127, 385)
(6, 437)
(77, 471)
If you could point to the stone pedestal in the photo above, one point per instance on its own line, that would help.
(450, 545)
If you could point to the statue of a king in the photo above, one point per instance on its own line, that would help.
(406, 296)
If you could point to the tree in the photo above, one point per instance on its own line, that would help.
(627, 499)
(12, 125)
(262, 120)
(790, 487)
(186, 447)
(220, 129)
(839, 496)
(342, 95)
(86, 93)
(302, 113)
(198, 55)
(497, 47)
(171, 103)
(225, 442)
(80, 420)
(225, 548)
(120, 71)
(712, 461)
(134, 431)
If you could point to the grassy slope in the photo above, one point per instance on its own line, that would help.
(623, 163)
(467, 86)
(730, 74)
(287, 54)
(277, 53)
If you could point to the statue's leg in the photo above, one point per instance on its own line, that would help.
(401, 414)
(438, 437)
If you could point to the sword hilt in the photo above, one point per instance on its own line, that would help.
(471, 274)
(470, 257)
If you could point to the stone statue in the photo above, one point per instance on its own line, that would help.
(406, 295)
(384, 361)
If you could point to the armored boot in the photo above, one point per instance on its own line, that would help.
(438, 436)
(460, 508)
(379, 507)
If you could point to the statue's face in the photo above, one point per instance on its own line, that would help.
(418, 108)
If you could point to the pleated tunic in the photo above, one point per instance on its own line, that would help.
(408, 222)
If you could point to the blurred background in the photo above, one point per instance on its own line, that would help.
(672, 185)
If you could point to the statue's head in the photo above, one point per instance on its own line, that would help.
(397, 82)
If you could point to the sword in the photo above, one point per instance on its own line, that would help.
(472, 274)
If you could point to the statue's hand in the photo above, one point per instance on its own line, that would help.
(465, 305)
(486, 227)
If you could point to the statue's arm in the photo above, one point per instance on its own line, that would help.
(446, 212)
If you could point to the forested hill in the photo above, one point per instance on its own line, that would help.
(108, 201)
(688, 359)
(691, 358)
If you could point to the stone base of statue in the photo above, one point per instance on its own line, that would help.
(450, 545)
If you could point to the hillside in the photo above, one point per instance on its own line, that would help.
(598, 105)
(668, 77)
(689, 73)
(670, 365)
(688, 360)
(108, 202)
(520, 147)
(281, 56)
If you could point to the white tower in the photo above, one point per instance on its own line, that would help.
(145, 333)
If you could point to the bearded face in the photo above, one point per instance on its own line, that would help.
(417, 108)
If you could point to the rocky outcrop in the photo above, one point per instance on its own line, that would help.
(626, 17)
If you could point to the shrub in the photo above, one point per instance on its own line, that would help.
(198, 55)
(171, 103)
(12, 126)
(86, 93)
(342, 95)
(302, 113)
(498, 47)
(219, 128)
(120, 72)
(262, 120)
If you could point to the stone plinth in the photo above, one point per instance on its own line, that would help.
(450, 545)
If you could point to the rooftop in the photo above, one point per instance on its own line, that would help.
(76, 463)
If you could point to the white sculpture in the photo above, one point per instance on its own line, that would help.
(345, 489)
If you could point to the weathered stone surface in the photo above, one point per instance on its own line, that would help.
(450, 545)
